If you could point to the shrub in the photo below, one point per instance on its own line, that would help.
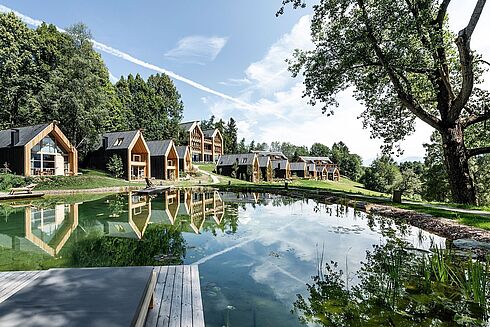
(115, 166)
(7, 181)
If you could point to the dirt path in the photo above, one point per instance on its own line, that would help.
(215, 180)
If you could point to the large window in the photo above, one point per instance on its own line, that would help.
(49, 158)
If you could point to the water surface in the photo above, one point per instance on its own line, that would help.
(255, 252)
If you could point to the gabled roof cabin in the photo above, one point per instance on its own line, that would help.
(194, 139)
(281, 168)
(38, 150)
(164, 160)
(130, 146)
(266, 171)
(213, 144)
(299, 169)
(243, 166)
(185, 160)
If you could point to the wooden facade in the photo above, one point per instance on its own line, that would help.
(164, 160)
(130, 146)
(281, 169)
(266, 170)
(185, 160)
(242, 166)
(213, 145)
(331, 172)
(38, 150)
(205, 146)
(299, 169)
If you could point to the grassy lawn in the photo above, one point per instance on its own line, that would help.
(344, 185)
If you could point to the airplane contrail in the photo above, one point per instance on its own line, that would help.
(125, 56)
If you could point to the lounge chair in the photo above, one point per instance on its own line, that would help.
(25, 189)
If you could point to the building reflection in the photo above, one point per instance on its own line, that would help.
(42, 229)
(49, 228)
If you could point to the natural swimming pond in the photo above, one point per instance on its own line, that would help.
(264, 260)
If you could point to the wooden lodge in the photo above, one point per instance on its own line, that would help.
(194, 139)
(266, 171)
(130, 146)
(242, 166)
(299, 169)
(321, 172)
(37, 150)
(280, 163)
(164, 160)
(332, 172)
(205, 146)
(281, 169)
(311, 170)
(185, 159)
(213, 145)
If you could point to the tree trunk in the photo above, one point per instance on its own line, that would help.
(456, 159)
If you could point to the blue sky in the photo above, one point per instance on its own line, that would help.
(236, 48)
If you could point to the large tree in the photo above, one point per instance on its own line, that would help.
(404, 64)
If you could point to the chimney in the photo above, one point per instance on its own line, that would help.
(14, 137)
(105, 141)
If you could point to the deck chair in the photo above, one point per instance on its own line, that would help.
(149, 184)
(25, 189)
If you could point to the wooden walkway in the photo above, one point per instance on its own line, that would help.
(177, 298)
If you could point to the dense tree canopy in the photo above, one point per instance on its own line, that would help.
(48, 75)
(403, 64)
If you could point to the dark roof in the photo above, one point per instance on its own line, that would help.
(188, 125)
(298, 166)
(158, 148)
(282, 164)
(275, 154)
(320, 169)
(331, 170)
(26, 134)
(313, 159)
(181, 150)
(311, 167)
(127, 137)
(209, 132)
(263, 161)
(245, 159)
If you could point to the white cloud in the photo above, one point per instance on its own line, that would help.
(236, 82)
(271, 72)
(125, 56)
(197, 49)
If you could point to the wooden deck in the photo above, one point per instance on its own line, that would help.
(177, 297)
(20, 196)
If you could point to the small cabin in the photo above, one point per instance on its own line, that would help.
(185, 160)
(265, 165)
(333, 173)
(242, 166)
(281, 169)
(321, 172)
(164, 160)
(299, 169)
(37, 150)
(130, 146)
(311, 170)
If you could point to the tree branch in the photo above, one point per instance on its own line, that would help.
(475, 119)
(478, 151)
(441, 14)
(405, 98)
(466, 61)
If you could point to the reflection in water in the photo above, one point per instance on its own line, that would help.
(255, 251)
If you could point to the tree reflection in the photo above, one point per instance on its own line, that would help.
(160, 246)
(398, 286)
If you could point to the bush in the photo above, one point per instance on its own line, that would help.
(115, 166)
(7, 181)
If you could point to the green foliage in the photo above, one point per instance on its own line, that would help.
(400, 287)
(160, 246)
(382, 176)
(350, 164)
(115, 166)
(319, 150)
(410, 183)
(234, 170)
(7, 181)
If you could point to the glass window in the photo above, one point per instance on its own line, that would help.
(118, 141)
